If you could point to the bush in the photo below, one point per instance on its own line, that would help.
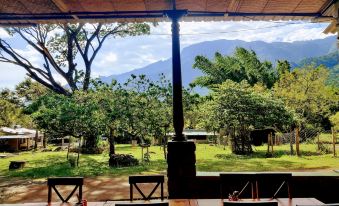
(91, 150)
(122, 160)
(72, 161)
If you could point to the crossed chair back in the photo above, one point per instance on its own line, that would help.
(135, 180)
(272, 185)
(53, 182)
(244, 183)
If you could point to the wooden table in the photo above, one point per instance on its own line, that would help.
(191, 202)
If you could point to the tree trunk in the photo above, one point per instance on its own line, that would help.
(91, 146)
(44, 140)
(36, 139)
(111, 142)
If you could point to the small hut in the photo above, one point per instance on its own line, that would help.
(198, 135)
(18, 139)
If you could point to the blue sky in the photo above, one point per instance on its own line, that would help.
(122, 55)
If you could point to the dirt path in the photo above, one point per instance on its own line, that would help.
(95, 189)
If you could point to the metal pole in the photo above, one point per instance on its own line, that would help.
(178, 117)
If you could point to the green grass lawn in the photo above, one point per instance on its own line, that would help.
(209, 159)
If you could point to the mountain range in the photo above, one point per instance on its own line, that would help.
(297, 53)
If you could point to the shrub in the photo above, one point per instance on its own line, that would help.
(91, 150)
(122, 160)
(72, 161)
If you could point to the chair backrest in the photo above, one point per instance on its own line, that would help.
(143, 204)
(272, 185)
(244, 183)
(53, 182)
(254, 203)
(158, 179)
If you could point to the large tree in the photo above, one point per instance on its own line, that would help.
(66, 51)
(240, 108)
(305, 91)
(242, 65)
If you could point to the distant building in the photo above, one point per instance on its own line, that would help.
(18, 139)
(200, 135)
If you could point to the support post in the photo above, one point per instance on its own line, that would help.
(181, 169)
(297, 140)
(178, 116)
(334, 141)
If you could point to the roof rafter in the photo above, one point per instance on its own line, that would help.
(63, 7)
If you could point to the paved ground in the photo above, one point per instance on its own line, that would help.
(95, 189)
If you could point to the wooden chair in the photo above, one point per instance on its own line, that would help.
(158, 179)
(142, 204)
(270, 184)
(230, 182)
(257, 203)
(53, 182)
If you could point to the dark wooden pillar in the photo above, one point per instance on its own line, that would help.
(181, 169)
(178, 116)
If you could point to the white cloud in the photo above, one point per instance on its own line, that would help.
(33, 56)
(4, 34)
(11, 75)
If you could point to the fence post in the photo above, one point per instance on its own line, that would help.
(318, 140)
(291, 142)
(334, 139)
(297, 139)
(268, 143)
(272, 143)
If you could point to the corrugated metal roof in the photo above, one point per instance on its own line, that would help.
(17, 131)
(193, 132)
(61, 11)
(17, 137)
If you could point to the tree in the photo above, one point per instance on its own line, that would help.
(78, 115)
(305, 91)
(29, 90)
(283, 66)
(335, 120)
(243, 65)
(11, 110)
(240, 108)
(144, 106)
(60, 46)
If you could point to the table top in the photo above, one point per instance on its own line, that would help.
(189, 202)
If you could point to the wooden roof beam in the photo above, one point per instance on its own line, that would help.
(63, 7)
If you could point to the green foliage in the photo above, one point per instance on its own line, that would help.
(30, 90)
(243, 65)
(78, 115)
(335, 120)
(305, 91)
(240, 108)
(139, 109)
(330, 61)
(122, 160)
(12, 114)
(239, 104)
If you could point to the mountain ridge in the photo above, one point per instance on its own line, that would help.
(294, 52)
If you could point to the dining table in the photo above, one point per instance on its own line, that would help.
(188, 202)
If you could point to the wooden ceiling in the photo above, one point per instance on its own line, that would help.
(60, 11)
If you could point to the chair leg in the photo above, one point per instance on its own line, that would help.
(49, 194)
(80, 194)
(131, 192)
(162, 191)
(289, 190)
